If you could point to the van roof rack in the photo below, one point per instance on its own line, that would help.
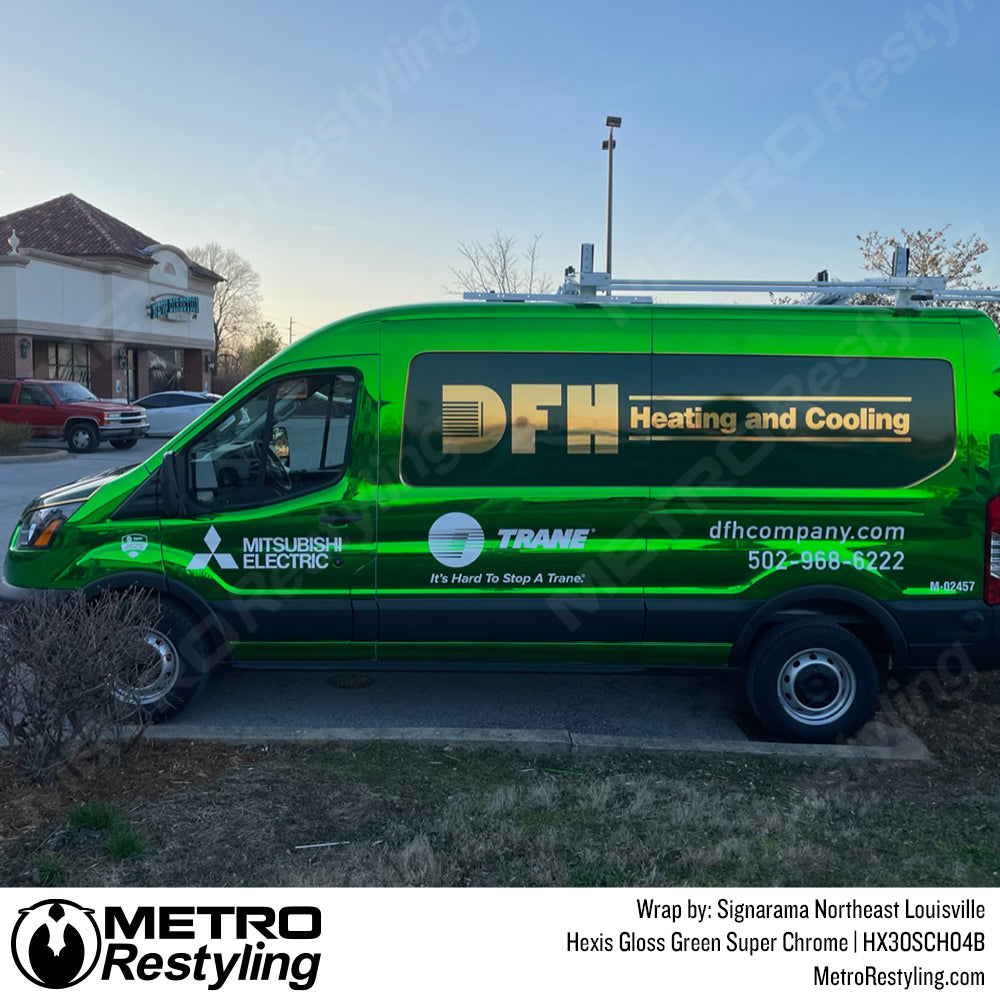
(599, 286)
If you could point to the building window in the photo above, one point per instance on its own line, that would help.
(166, 370)
(70, 361)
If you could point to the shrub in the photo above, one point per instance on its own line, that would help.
(64, 663)
(12, 437)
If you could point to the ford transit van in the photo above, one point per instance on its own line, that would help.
(808, 495)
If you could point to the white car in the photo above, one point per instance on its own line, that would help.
(170, 412)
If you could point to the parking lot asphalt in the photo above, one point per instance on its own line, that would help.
(531, 712)
(50, 464)
(534, 710)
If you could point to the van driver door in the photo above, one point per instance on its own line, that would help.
(275, 528)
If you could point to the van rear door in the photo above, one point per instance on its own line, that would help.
(799, 448)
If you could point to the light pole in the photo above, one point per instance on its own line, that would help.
(613, 122)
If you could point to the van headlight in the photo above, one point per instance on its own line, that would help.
(39, 526)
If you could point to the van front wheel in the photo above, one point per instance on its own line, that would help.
(177, 667)
(812, 681)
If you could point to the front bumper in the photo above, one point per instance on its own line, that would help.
(112, 433)
(12, 594)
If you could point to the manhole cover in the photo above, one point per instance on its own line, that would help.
(348, 681)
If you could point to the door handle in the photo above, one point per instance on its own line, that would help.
(341, 516)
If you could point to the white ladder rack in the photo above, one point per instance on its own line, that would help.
(599, 286)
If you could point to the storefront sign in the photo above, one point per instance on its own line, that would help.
(178, 308)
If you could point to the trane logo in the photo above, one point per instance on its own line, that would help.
(474, 418)
(544, 538)
(456, 539)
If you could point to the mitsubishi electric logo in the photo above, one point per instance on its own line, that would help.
(456, 539)
(56, 943)
(201, 560)
(268, 552)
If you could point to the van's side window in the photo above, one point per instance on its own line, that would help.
(289, 438)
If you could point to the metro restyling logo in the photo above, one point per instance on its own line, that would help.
(56, 943)
(474, 418)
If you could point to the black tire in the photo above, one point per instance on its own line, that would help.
(125, 443)
(810, 682)
(82, 437)
(180, 668)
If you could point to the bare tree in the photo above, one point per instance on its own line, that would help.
(498, 267)
(930, 254)
(236, 303)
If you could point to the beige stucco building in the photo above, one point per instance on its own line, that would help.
(84, 296)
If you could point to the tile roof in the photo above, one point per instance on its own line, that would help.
(70, 226)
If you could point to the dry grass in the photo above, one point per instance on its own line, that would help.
(399, 815)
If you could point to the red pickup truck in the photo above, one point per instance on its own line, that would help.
(70, 411)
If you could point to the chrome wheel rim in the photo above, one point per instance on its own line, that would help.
(160, 677)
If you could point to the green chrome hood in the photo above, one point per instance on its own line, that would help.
(79, 489)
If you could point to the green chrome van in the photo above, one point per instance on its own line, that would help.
(809, 495)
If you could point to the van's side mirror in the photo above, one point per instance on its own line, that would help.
(171, 477)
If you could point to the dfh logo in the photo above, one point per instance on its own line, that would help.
(474, 418)
(56, 943)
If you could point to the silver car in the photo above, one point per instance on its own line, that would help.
(170, 412)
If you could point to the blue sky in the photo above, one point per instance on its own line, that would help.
(345, 149)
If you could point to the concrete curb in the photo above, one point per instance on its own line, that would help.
(40, 456)
(905, 747)
(890, 744)
(526, 740)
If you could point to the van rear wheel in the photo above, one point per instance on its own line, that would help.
(177, 668)
(812, 681)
